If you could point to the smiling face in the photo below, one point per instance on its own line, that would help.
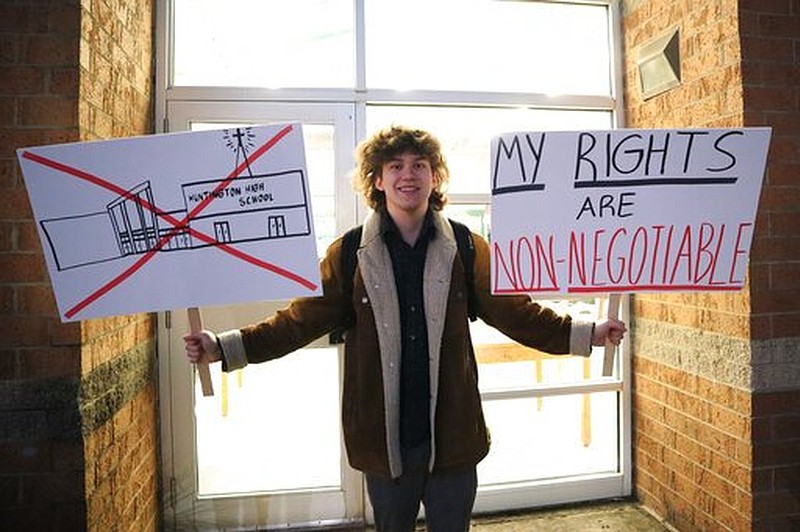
(375, 155)
(407, 180)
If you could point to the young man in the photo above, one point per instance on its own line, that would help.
(411, 410)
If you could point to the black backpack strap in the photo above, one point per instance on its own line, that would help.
(350, 242)
(466, 248)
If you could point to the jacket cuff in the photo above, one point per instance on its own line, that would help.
(580, 338)
(233, 354)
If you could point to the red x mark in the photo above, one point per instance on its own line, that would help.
(178, 225)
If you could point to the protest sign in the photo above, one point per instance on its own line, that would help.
(627, 210)
(175, 220)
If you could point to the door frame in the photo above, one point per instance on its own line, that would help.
(183, 507)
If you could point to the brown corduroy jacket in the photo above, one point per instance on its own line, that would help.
(371, 387)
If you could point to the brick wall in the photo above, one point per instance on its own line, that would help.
(41, 451)
(77, 401)
(770, 33)
(692, 448)
(716, 389)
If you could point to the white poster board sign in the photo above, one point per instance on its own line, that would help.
(173, 221)
(627, 210)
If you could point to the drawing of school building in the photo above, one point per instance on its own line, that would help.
(248, 208)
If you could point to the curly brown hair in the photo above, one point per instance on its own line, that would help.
(388, 143)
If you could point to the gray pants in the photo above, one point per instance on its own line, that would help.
(448, 497)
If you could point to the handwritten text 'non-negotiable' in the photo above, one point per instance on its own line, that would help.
(657, 257)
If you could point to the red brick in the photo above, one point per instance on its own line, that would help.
(777, 453)
(774, 403)
(786, 223)
(776, 249)
(64, 81)
(8, 173)
(52, 50)
(763, 479)
(27, 237)
(10, 489)
(50, 111)
(786, 325)
(779, 301)
(65, 334)
(769, 98)
(787, 478)
(767, 50)
(762, 428)
(21, 80)
(784, 148)
(8, 110)
(22, 268)
(64, 18)
(21, 331)
(780, 26)
(25, 457)
(29, 518)
(785, 123)
(67, 455)
(11, 139)
(61, 136)
(9, 46)
(751, 8)
(55, 488)
(14, 18)
(6, 237)
(786, 426)
(776, 503)
(783, 173)
(45, 363)
(779, 75)
(8, 364)
(14, 205)
(761, 327)
(36, 300)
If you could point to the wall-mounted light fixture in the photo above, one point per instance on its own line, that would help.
(659, 64)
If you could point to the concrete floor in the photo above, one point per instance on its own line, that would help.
(608, 516)
(596, 517)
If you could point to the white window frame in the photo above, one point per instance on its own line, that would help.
(360, 96)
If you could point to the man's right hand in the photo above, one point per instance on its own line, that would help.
(202, 347)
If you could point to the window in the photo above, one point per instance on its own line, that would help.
(488, 46)
(263, 43)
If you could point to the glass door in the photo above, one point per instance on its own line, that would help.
(559, 428)
(266, 449)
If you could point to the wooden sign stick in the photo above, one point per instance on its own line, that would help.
(608, 359)
(196, 325)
